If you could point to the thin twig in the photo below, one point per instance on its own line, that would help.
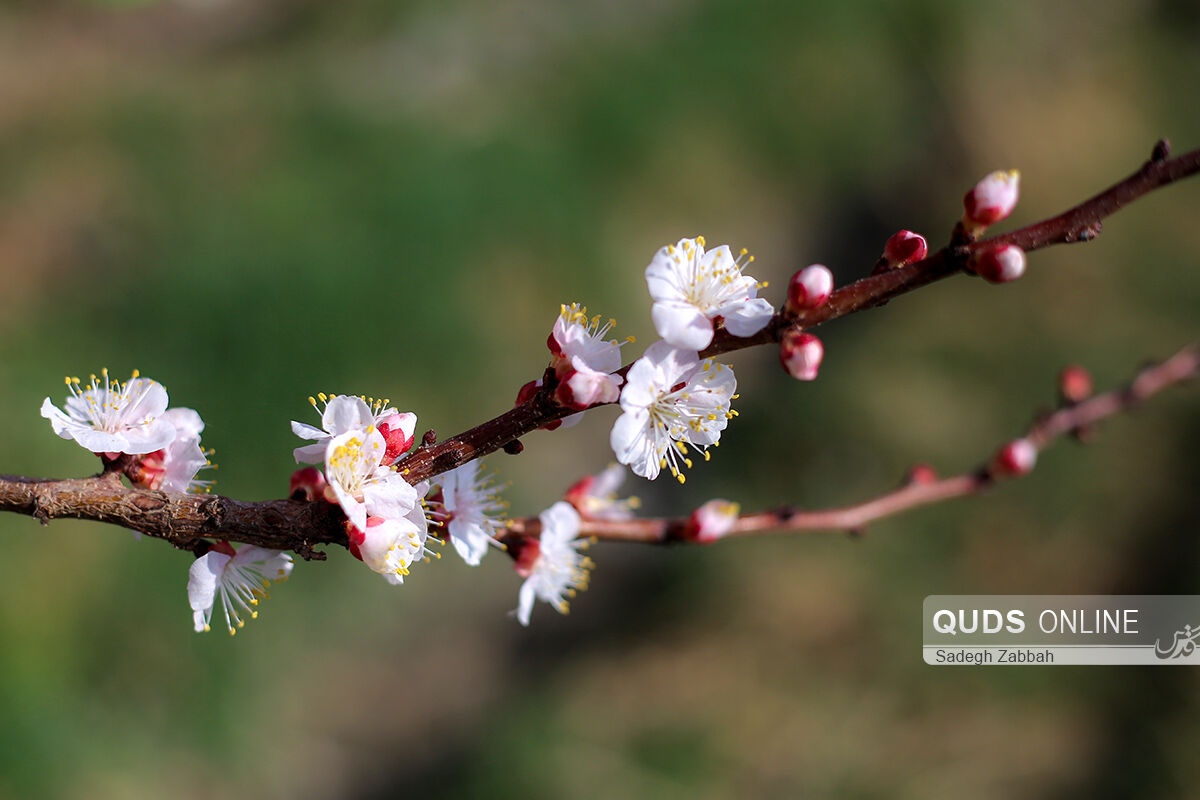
(1180, 367)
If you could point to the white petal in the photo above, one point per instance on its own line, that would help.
(630, 444)
(63, 425)
(748, 317)
(149, 401)
(346, 413)
(470, 547)
(308, 431)
(147, 438)
(389, 496)
(663, 275)
(355, 511)
(560, 523)
(525, 600)
(203, 577)
(187, 421)
(101, 442)
(682, 324)
(310, 453)
(406, 422)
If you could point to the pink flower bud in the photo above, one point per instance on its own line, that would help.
(307, 484)
(583, 388)
(922, 474)
(221, 547)
(1074, 384)
(526, 555)
(711, 521)
(992, 199)
(1018, 457)
(527, 392)
(809, 288)
(999, 263)
(801, 354)
(579, 492)
(397, 439)
(904, 248)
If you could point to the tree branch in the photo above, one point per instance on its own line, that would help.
(185, 520)
(1071, 419)
(1079, 224)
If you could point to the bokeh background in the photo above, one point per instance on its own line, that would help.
(254, 201)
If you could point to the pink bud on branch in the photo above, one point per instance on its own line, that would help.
(801, 354)
(1018, 457)
(904, 248)
(711, 521)
(1074, 384)
(991, 200)
(307, 484)
(809, 288)
(999, 263)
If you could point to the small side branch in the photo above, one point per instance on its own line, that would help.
(1073, 419)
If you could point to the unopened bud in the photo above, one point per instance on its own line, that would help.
(711, 521)
(525, 554)
(992, 199)
(1018, 457)
(999, 263)
(921, 474)
(1074, 384)
(801, 354)
(584, 388)
(809, 288)
(307, 484)
(527, 392)
(904, 248)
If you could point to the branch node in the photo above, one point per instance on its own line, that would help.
(514, 447)
(1161, 151)
(305, 550)
(430, 438)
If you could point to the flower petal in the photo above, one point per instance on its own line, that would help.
(748, 317)
(682, 324)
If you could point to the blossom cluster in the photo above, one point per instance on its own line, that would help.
(675, 403)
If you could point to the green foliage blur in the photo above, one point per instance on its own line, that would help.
(255, 200)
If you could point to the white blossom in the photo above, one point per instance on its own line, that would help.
(552, 565)
(712, 521)
(671, 401)
(361, 482)
(345, 413)
(391, 546)
(691, 288)
(113, 417)
(239, 579)
(174, 467)
(575, 335)
(474, 509)
(595, 497)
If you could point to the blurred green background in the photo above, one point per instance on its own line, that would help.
(255, 201)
